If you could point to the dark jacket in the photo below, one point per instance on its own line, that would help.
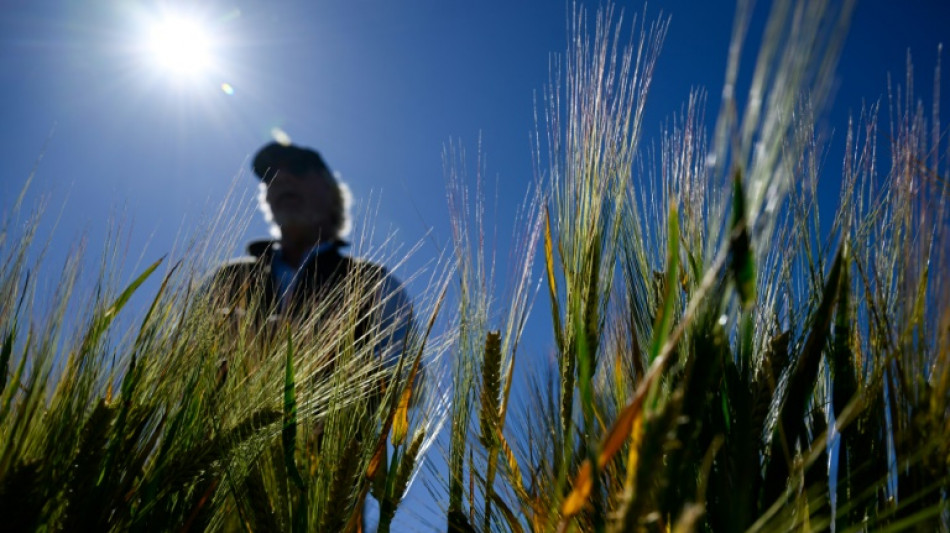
(326, 282)
(249, 284)
(328, 287)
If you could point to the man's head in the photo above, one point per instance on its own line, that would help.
(298, 192)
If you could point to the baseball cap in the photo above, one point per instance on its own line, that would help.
(295, 159)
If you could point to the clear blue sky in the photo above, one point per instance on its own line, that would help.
(377, 86)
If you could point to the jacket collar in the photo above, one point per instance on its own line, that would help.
(266, 248)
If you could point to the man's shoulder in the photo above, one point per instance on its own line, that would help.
(238, 265)
(363, 263)
(261, 249)
(366, 268)
(257, 259)
(258, 253)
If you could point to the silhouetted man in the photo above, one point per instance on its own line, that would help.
(302, 279)
(303, 267)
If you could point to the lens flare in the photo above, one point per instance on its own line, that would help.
(227, 89)
(280, 136)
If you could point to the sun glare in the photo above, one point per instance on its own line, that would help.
(181, 45)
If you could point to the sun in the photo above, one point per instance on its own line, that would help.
(181, 45)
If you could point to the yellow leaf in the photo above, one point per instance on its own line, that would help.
(583, 484)
(619, 373)
(374, 463)
(549, 252)
(621, 430)
(633, 456)
(636, 436)
(517, 479)
(401, 419)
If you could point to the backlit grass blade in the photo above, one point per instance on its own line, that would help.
(401, 418)
(664, 320)
(84, 488)
(801, 382)
(700, 386)
(592, 318)
(379, 450)
(566, 353)
(620, 431)
(400, 475)
(289, 431)
(340, 509)
(740, 247)
(580, 492)
(155, 302)
(100, 323)
(514, 471)
(552, 281)
(511, 519)
(844, 383)
(129, 383)
(123, 298)
(5, 351)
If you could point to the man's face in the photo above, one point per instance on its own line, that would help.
(304, 201)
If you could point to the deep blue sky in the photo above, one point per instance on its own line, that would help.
(377, 86)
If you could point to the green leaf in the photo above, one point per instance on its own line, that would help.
(740, 247)
(129, 382)
(801, 382)
(101, 323)
(5, 352)
(592, 327)
(844, 387)
(699, 386)
(289, 432)
(83, 486)
(155, 301)
(552, 280)
(123, 298)
(664, 320)
(8, 342)
(566, 362)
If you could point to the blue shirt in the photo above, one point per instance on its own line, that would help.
(394, 307)
(287, 275)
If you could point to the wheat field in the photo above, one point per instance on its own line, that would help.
(723, 361)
